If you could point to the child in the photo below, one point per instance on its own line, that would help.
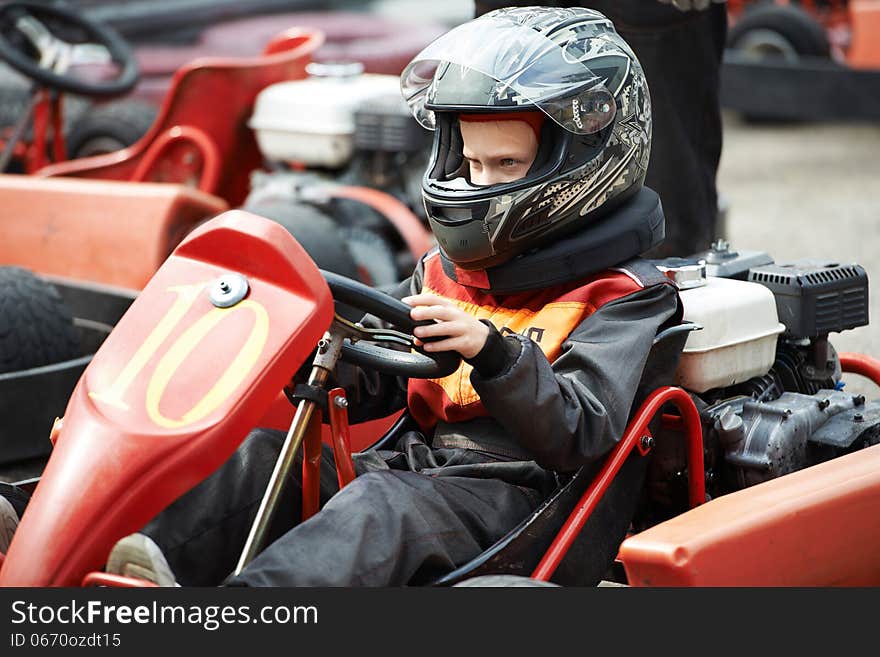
(535, 195)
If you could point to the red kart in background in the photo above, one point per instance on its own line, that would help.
(803, 60)
(83, 120)
(764, 471)
(97, 228)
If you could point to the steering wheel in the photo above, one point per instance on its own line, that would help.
(415, 363)
(34, 50)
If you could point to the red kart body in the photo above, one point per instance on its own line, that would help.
(198, 379)
(179, 383)
(105, 224)
(832, 75)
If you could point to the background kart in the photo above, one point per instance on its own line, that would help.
(166, 36)
(808, 60)
(786, 459)
(97, 228)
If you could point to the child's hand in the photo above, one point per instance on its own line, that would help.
(464, 333)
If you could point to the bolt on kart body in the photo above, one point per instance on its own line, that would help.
(763, 471)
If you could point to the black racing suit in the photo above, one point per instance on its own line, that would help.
(418, 511)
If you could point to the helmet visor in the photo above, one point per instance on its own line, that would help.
(494, 63)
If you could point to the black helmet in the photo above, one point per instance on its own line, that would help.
(571, 64)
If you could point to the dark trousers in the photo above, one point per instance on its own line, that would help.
(407, 518)
(680, 53)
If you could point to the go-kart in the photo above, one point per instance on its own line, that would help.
(60, 51)
(97, 228)
(78, 87)
(812, 60)
(761, 469)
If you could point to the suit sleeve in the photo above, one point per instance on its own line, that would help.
(574, 411)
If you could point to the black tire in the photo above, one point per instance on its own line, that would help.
(793, 26)
(505, 581)
(372, 256)
(109, 127)
(36, 327)
(317, 233)
(17, 497)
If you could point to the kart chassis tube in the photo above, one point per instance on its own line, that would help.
(637, 435)
(861, 364)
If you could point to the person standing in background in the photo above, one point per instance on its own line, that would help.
(680, 45)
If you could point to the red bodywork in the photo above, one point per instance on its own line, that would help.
(170, 395)
(813, 527)
(116, 233)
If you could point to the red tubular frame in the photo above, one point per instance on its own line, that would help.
(860, 364)
(210, 164)
(36, 151)
(418, 239)
(311, 467)
(637, 429)
(117, 581)
(339, 436)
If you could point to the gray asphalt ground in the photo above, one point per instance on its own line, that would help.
(808, 191)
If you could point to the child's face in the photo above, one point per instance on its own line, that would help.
(498, 151)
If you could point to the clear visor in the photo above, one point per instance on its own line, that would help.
(493, 63)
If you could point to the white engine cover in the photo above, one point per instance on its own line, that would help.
(738, 338)
(311, 121)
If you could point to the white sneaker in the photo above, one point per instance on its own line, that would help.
(8, 523)
(137, 555)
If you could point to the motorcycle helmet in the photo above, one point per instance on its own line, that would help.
(568, 63)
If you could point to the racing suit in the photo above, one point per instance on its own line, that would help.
(550, 392)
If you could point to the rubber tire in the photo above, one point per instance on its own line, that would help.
(802, 31)
(36, 327)
(316, 232)
(505, 581)
(372, 255)
(121, 123)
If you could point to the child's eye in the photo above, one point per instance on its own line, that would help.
(508, 162)
(475, 164)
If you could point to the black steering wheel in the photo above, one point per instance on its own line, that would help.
(415, 363)
(33, 49)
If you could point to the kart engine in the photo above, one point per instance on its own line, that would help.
(793, 414)
(344, 126)
(340, 126)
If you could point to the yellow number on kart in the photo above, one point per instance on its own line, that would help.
(182, 347)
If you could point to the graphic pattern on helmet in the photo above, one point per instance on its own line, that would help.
(571, 64)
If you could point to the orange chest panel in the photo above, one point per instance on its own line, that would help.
(547, 317)
(547, 327)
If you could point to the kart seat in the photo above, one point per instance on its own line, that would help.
(200, 136)
(590, 556)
